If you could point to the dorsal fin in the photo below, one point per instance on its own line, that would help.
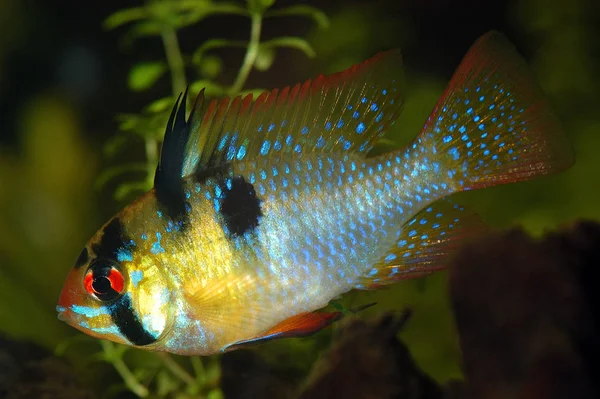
(171, 166)
(346, 111)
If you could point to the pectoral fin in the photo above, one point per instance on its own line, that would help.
(296, 326)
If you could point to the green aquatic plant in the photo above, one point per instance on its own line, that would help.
(162, 18)
(161, 374)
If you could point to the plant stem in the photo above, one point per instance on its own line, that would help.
(176, 369)
(251, 54)
(199, 371)
(152, 160)
(174, 59)
(130, 381)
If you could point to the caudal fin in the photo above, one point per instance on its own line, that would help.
(493, 125)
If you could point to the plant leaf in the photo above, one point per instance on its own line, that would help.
(302, 10)
(160, 105)
(115, 171)
(123, 17)
(143, 76)
(292, 42)
(211, 89)
(264, 58)
(215, 43)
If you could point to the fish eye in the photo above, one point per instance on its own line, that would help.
(104, 280)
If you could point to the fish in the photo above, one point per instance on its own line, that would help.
(266, 209)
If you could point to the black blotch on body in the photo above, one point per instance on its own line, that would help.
(240, 207)
(82, 258)
(113, 238)
(168, 181)
(128, 322)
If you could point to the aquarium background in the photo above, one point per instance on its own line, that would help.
(65, 77)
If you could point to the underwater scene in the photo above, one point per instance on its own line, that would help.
(299, 199)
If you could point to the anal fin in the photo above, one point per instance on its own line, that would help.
(300, 325)
(424, 244)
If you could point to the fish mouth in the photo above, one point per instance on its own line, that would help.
(62, 316)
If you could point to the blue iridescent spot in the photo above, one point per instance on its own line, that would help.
(223, 142)
(462, 129)
(124, 255)
(277, 145)
(412, 233)
(347, 144)
(454, 153)
(305, 130)
(260, 128)
(374, 107)
(360, 128)
(156, 247)
(271, 127)
(340, 124)
(136, 276)
(355, 114)
(328, 126)
(491, 107)
(363, 100)
(390, 257)
(384, 92)
(320, 142)
(379, 117)
(241, 153)
(264, 150)
(464, 137)
(144, 237)
(481, 126)
(349, 107)
(288, 140)
(469, 111)
(298, 148)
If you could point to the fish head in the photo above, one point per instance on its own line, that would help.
(117, 293)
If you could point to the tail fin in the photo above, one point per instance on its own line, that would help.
(492, 125)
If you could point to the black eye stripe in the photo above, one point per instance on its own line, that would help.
(82, 258)
(129, 323)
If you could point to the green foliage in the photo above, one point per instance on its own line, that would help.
(163, 18)
(142, 76)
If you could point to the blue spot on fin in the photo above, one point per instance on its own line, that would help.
(297, 116)
(497, 106)
(424, 247)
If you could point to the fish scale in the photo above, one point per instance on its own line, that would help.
(263, 210)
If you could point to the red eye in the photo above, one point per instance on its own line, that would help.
(104, 281)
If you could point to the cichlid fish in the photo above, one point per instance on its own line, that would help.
(264, 210)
